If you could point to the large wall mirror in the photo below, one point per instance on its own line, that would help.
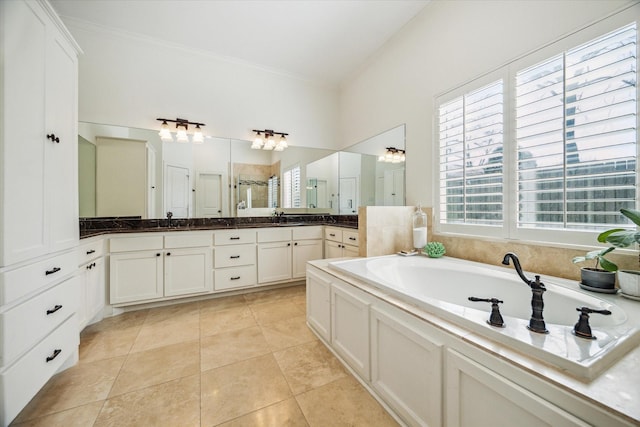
(132, 172)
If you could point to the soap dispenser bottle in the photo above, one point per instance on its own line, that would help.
(419, 220)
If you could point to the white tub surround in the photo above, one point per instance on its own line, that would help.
(429, 355)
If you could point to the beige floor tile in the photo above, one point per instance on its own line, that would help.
(174, 403)
(309, 366)
(172, 312)
(230, 347)
(106, 343)
(82, 384)
(215, 322)
(270, 312)
(235, 390)
(81, 416)
(273, 295)
(121, 322)
(175, 328)
(283, 414)
(217, 304)
(287, 333)
(343, 402)
(156, 366)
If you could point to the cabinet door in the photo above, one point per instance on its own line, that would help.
(95, 291)
(475, 395)
(61, 185)
(332, 249)
(319, 304)
(135, 276)
(303, 251)
(187, 271)
(23, 35)
(348, 250)
(274, 262)
(350, 326)
(406, 366)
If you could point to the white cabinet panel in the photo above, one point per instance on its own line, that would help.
(235, 277)
(136, 276)
(332, 249)
(187, 271)
(92, 292)
(303, 251)
(234, 237)
(406, 366)
(234, 255)
(185, 239)
(274, 262)
(350, 326)
(476, 395)
(319, 304)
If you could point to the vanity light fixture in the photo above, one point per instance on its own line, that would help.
(269, 142)
(393, 155)
(182, 127)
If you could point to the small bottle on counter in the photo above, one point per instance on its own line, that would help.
(419, 220)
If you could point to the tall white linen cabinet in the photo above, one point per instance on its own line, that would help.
(39, 201)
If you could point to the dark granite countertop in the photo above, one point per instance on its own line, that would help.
(90, 227)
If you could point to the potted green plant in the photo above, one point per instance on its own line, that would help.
(629, 280)
(603, 275)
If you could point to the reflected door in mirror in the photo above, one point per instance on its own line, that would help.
(177, 188)
(208, 195)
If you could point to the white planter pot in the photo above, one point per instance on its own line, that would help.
(629, 281)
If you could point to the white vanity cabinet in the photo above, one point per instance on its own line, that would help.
(156, 266)
(341, 242)
(283, 252)
(91, 272)
(319, 303)
(235, 259)
(38, 200)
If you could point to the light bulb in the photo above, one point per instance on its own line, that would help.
(198, 137)
(165, 133)
(269, 144)
(258, 142)
(181, 135)
(283, 142)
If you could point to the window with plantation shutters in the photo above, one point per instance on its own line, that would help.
(291, 188)
(471, 132)
(576, 135)
(548, 150)
(272, 197)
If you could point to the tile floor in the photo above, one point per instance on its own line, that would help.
(246, 360)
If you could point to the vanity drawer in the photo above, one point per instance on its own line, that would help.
(276, 234)
(15, 284)
(182, 239)
(90, 251)
(334, 234)
(307, 232)
(234, 237)
(232, 255)
(35, 368)
(236, 277)
(23, 325)
(140, 243)
(350, 237)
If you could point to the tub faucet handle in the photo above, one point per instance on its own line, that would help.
(495, 319)
(582, 328)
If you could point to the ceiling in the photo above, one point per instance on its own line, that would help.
(323, 41)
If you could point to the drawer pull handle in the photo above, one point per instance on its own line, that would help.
(234, 238)
(90, 266)
(157, 254)
(168, 253)
(55, 354)
(235, 278)
(53, 138)
(234, 256)
(288, 244)
(91, 251)
(352, 238)
(332, 235)
(54, 309)
(52, 271)
(295, 244)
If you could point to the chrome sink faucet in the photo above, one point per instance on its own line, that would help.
(536, 323)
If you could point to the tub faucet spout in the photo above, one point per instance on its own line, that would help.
(536, 323)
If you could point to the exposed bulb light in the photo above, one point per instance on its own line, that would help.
(182, 127)
(198, 137)
(269, 142)
(393, 155)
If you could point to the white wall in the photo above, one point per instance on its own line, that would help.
(130, 81)
(447, 44)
